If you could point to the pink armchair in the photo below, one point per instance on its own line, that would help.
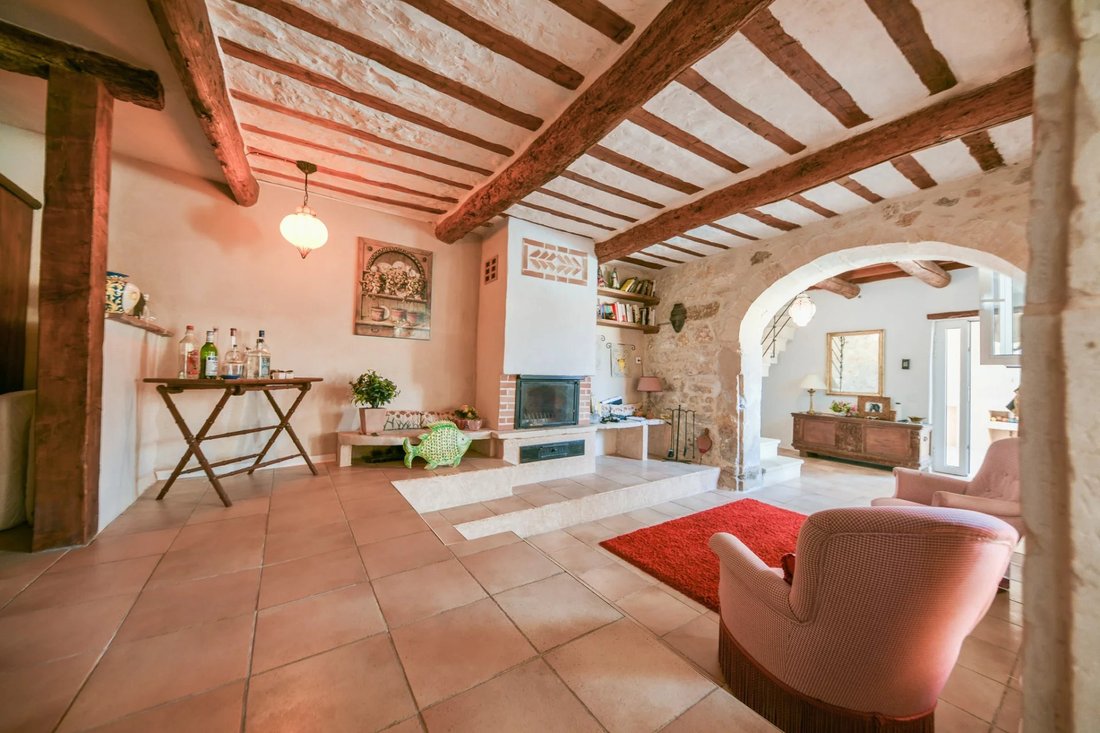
(995, 488)
(866, 634)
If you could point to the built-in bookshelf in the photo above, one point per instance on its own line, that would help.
(631, 306)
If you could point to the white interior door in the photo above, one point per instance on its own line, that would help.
(951, 397)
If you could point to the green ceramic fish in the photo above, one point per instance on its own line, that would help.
(443, 446)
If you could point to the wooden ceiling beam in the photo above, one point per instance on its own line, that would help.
(607, 188)
(297, 179)
(908, 166)
(700, 240)
(858, 189)
(903, 22)
(838, 286)
(25, 52)
(661, 128)
(773, 221)
(599, 16)
(351, 155)
(982, 149)
(355, 132)
(737, 112)
(926, 271)
(812, 206)
(184, 27)
(303, 20)
(628, 164)
(320, 81)
(563, 215)
(662, 257)
(683, 32)
(678, 248)
(1002, 101)
(584, 204)
(499, 42)
(641, 263)
(765, 32)
(734, 232)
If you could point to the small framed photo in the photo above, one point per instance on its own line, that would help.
(877, 408)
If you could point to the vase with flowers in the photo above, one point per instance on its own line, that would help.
(468, 418)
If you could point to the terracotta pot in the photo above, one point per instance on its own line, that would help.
(472, 424)
(372, 420)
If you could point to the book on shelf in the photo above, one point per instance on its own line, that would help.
(626, 313)
(633, 285)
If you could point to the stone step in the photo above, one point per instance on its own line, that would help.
(778, 469)
(769, 448)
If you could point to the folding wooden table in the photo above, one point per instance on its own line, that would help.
(232, 388)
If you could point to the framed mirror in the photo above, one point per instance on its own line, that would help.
(854, 361)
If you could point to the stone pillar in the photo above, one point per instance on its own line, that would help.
(1060, 462)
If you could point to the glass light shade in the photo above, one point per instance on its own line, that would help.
(649, 384)
(802, 310)
(304, 230)
(813, 381)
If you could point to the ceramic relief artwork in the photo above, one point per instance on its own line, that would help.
(394, 291)
(551, 262)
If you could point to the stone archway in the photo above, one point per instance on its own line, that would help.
(773, 297)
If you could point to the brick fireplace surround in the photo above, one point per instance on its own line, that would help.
(506, 415)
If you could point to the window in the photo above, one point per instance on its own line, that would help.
(1001, 305)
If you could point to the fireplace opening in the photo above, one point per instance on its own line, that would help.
(547, 401)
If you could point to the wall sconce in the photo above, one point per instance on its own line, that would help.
(302, 228)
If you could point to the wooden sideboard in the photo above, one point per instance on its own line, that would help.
(881, 442)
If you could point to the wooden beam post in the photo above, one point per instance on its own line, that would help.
(927, 272)
(16, 220)
(839, 286)
(681, 34)
(79, 113)
(185, 27)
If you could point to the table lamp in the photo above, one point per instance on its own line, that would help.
(811, 384)
(647, 385)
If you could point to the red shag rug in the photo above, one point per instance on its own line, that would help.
(676, 552)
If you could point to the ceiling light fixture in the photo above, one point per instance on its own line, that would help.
(302, 228)
(802, 309)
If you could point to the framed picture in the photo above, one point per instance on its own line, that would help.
(854, 362)
(394, 288)
(878, 408)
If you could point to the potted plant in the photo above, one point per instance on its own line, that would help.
(468, 418)
(371, 391)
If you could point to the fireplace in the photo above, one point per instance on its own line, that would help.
(547, 401)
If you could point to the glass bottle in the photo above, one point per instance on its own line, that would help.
(234, 360)
(208, 358)
(259, 360)
(189, 355)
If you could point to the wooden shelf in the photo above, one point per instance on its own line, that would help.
(632, 326)
(622, 295)
(139, 323)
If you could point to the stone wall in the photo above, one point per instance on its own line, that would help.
(713, 365)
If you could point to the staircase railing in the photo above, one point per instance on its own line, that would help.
(780, 321)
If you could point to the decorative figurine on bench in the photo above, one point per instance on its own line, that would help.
(443, 446)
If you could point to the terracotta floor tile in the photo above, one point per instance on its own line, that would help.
(21, 564)
(950, 719)
(204, 562)
(579, 560)
(165, 608)
(1008, 717)
(453, 651)
(657, 610)
(37, 636)
(412, 725)
(613, 581)
(448, 535)
(698, 641)
(313, 515)
(374, 506)
(472, 547)
(973, 693)
(305, 576)
(506, 505)
(416, 594)
(124, 577)
(353, 689)
(553, 611)
(315, 624)
(542, 497)
(219, 512)
(468, 513)
(403, 553)
(386, 526)
(118, 547)
(506, 567)
(528, 698)
(305, 541)
(556, 540)
(621, 524)
(989, 659)
(215, 711)
(719, 712)
(11, 587)
(999, 632)
(591, 532)
(139, 674)
(33, 698)
(248, 531)
(628, 679)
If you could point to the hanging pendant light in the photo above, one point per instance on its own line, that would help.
(802, 310)
(302, 228)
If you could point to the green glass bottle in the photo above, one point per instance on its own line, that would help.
(208, 358)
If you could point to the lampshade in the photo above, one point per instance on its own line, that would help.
(813, 381)
(649, 384)
(802, 309)
(302, 228)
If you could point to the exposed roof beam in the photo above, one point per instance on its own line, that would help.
(26, 52)
(354, 132)
(500, 42)
(767, 219)
(642, 263)
(628, 164)
(678, 248)
(661, 257)
(352, 155)
(297, 179)
(908, 166)
(734, 232)
(903, 22)
(700, 240)
(1002, 101)
(839, 286)
(599, 16)
(765, 32)
(812, 206)
(184, 26)
(302, 19)
(983, 150)
(926, 271)
(606, 188)
(563, 215)
(661, 128)
(328, 84)
(737, 112)
(585, 204)
(682, 33)
(858, 189)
